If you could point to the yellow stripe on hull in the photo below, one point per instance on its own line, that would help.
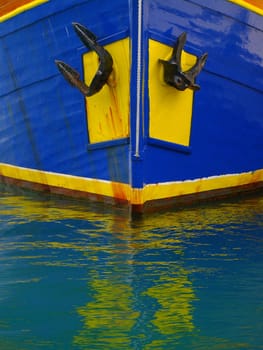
(124, 192)
(190, 187)
(67, 182)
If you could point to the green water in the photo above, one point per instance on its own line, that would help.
(76, 277)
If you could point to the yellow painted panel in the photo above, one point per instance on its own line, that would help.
(12, 8)
(170, 109)
(252, 5)
(108, 110)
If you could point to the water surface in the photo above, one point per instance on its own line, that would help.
(77, 277)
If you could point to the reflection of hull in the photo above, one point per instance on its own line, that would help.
(138, 140)
(149, 280)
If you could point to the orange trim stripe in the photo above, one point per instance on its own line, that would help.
(12, 8)
(257, 3)
(252, 5)
(9, 6)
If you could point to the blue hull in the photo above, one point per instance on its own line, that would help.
(170, 147)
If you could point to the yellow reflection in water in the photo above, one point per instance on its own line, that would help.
(115, 220)
(113, 311)
(117, 314)
(174, 295)
(109, 318)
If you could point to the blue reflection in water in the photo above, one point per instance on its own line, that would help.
(75, 277)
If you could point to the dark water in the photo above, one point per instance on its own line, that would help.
(76, 278)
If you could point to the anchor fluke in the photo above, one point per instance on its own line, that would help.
(85, 35)
(173, 74)
(104, 69)
(72, 76)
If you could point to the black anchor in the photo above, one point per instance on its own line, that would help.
(173, 74)
(105, 64)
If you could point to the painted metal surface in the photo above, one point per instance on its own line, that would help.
(165, 143)
(43, 121)
(228, 109)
